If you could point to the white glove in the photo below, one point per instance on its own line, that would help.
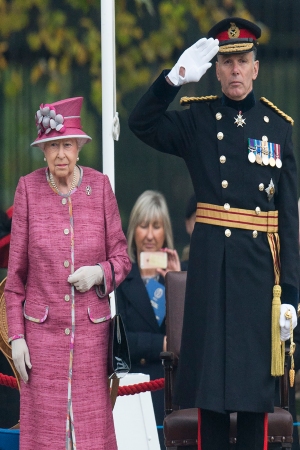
(20, 356)
(85, 277)
(195, 61)
(285, 330)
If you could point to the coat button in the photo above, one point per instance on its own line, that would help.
(220, 135)
(66, 231)
(227, 232)
(266, 119)
(67, 331)
(261, 186)
(227, 207)
(222, 159)
(66, 263)
(218, 116)
(64, 201)
(67, 298)
(254, 234)
(257, 210)
(143, 361)
(224, 184)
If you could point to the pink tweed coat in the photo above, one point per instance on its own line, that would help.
(66, 331)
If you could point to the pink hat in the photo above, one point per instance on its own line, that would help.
(60, 120)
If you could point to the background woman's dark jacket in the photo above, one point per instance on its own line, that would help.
(145, 337)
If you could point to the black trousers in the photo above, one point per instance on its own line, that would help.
(214, 429)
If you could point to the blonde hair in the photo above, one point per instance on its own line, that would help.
(150, 205)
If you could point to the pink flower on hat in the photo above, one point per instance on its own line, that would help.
(46, 120)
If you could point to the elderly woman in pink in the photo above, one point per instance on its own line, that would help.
(66, 231)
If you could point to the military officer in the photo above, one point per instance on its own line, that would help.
(238, 150)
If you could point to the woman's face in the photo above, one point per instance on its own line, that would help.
(149, 236)
(61, 156)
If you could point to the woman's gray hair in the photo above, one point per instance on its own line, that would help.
(150, 205)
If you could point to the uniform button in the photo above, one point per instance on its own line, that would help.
(222, 159)
(227, 232)
(227, 206)
(218, 116)
(66, 263)
(266, 119)
(254, 234)
(66, 231)
(67, 331)
(264, 138)
(220, 135)
(67, 298)
(64, 201)
(143, 361)
(257, 210)
(224, 184)
(261, 186)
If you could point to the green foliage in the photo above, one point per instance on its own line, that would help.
(59, 36)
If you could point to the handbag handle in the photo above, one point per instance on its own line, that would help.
(114, 285)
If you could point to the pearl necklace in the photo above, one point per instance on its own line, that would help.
(73, 184)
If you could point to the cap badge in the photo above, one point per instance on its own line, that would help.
(233, 31)
(270, 190)
(240, 120)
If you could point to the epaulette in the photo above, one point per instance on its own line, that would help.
(207, 98)
(277, 110)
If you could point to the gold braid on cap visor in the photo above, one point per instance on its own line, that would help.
(232, 48)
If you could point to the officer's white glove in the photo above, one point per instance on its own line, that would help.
(85, 277)
(21, 357)
(195, 61)
(285, 324)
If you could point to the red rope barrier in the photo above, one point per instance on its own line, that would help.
(153, 385)
(9, 381)
(132, 389)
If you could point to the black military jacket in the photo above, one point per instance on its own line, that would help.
(226, 341)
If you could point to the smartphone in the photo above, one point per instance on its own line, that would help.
(153, 260)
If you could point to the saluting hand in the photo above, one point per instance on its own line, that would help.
(85, 277)
(194, 62)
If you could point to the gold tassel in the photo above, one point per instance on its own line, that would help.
(277, 357)
(292, 377)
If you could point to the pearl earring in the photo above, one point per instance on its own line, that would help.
(77, 158)
(45, 159)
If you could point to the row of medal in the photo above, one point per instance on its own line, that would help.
(264, 153)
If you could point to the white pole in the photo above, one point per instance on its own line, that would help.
(110, 121)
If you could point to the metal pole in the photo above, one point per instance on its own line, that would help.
(110, 121)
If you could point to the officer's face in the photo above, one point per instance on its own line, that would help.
(236, 74)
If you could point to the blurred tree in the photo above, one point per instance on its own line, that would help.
(53, 38)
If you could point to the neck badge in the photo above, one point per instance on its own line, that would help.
(240, 121)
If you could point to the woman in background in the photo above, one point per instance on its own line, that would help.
(149, 230)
